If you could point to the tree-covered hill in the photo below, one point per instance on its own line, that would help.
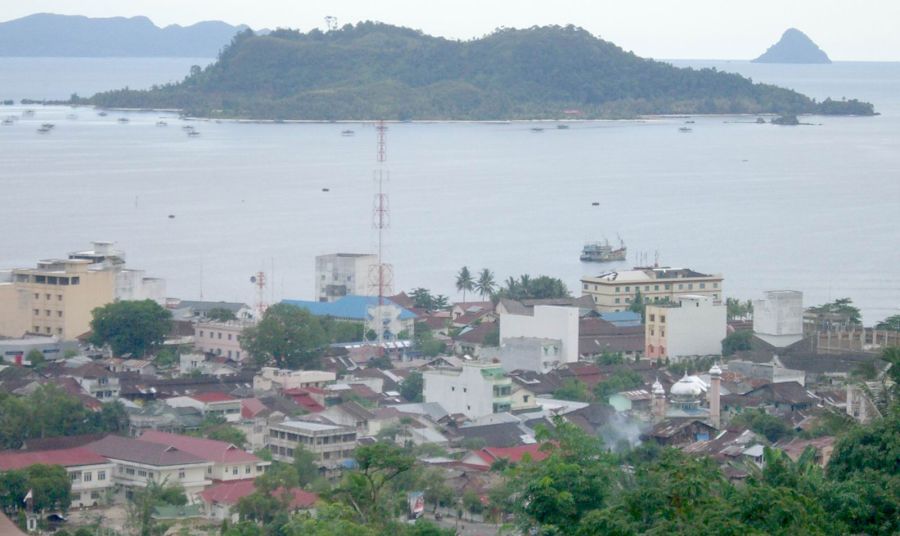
(374, 70)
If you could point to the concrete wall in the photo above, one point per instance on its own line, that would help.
(695, 327)
(345, 273)
(778, 318)
(527, 353)
(467, 390)
(548, 322)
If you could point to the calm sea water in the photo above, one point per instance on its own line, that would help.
(813, 208)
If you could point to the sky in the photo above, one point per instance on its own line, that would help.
(861, 30)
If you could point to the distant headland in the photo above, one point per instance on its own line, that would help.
(794, 47)
(47, 34)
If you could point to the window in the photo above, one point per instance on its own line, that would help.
(627, 289)
(234, 470)
(652, 332)
(47, 329)
(59, 331)
(37, 296)
(211, 335)
(87, 477)
(59, 314)
(47, 312)
(452, 388)
(668, 286)
(680, 286)
(646, 287)
(584, 286)
(618, 289)
(690, 286)
(129, 471)
(75, 477)
(76, 280)
(653, 318)
(525, 398)
(101, 475)
(247, 470)
(59, 297)
(465, 389)
(655, 287)
(141, 472)
(237, 355)
(48, 296)
(618, 300)
(715, 285)
(181, 473)
(229, 336)
(201, 332)
(220, 335)
(662, 318)
(37, 312)
(702, 285)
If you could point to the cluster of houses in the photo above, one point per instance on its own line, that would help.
(506, 366)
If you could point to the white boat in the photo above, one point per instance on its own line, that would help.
(123, 120)
(161, 124)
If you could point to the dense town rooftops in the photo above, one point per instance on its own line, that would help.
(71, 457)
(207, 449)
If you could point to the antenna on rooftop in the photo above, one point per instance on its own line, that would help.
(260, 281)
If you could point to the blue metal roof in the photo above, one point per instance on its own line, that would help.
(348, 307)
(622, 318)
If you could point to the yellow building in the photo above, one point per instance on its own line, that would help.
(615, 291)
(55, 298)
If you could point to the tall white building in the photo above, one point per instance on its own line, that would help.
(693, 326)
(540, 341)
(343, 274)
(778, 318)
(475, 389)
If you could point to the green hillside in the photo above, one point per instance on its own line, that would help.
(374, 70)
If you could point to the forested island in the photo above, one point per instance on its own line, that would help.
(794, 47)
(378, 71)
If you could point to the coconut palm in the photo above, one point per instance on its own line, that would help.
(464, 281)
(485, 284)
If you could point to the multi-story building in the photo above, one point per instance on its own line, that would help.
(693, 326)
(474, 389)
(778, 318)
(229, 462)
(210, 404)
(222, 338)
(57, 297)
(283, 379)
(554, 331)
(137, 463)
(343, 274)
(615, 291)
(330, 444)
(91, 473)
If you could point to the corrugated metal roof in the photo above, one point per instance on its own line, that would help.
(348, 307)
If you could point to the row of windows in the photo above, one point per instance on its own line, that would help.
(213, 335)
(49, 280)
(47, 329)
(48, 296)
(48, 312)
(87, 476)
(666, 286)
(321, 440)
(237, 353)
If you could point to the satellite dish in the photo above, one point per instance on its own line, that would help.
(253, 279)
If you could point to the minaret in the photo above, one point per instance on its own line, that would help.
(659, 401)
(715, 378)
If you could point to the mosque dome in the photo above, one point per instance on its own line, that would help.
(715, 370)
(658, 388)
(688, 386)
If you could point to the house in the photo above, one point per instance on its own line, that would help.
(331, 444)
(228, 461)
(137, 463)
(472, 338)
(823, 447)
(597, 336)
(466, 313)
(634, 400)
(197, 310)
(91, 473)
(692, 326)
(211, 403)
(504, 434)
(785, 396)
(159, 416)
(222, 338)
(271, 378)
(367, 422)
(484, 458)
(96, 381)
(219, 500)
(675, 432)
(474, 389)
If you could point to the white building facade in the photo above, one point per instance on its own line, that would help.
(693, 326)
(778, 317)
(343, 274)
(550, 322)
(475, 389)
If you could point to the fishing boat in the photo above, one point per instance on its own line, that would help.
(562, 127)
(102, 113)
(44, 130)
(193, 133)
(603, 252)
(537, 129)
(685, 130)
(161, 124)
(123, 120)
(347, 133)
(48, 126)
(187, 127)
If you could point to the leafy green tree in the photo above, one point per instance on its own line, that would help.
(464, 281)
(891, 323)
(381, 362)
(305, 465)
(411, 388)
(130, 327)
(610, 358)
(364, 488)
(737, 341)
(220, 314)
(623, 379)
(762, 423)
(875, 446)
(841, 306)
(529, 288)
(36, 358)
(440, 302)
(637, 303)
(485, 284)
(288, 335)
(573, 389)
(50, 487)
(422, 298)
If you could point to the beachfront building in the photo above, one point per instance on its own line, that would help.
(692, 326)
(343, 274)
(615, 291)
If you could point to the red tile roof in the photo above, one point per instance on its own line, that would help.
(213, 396)
(251, 407)
(231, 492)
(133, 450)
(208, 449)
(66, 457)
(513, 454)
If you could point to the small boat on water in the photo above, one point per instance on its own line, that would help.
(48, 126)
(102, 113)
(537, 129)
(595, 204)
(685, 129)
(347, 133)
(9, 121)
(603, 252)
(689, 122)
(123, 120)
(187, 127)
(161, 124)
(193, 133)
(28, 113)
(44, 130)
(562, 127)
(326, 189)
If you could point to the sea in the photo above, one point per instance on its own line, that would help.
(814, 208)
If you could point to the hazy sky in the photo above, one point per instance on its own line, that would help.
(714, 29)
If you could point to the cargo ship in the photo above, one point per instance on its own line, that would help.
(603, 252)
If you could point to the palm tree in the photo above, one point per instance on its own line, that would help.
(440, 302)
(464, 281)
(485, 284)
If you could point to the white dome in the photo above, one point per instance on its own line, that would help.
(715, 370)
(688, 386)
(658, 388)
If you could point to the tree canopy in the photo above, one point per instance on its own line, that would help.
(130, 327)
(287, 335)
(378, 71)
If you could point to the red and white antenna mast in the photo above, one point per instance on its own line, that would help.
(381, 275)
